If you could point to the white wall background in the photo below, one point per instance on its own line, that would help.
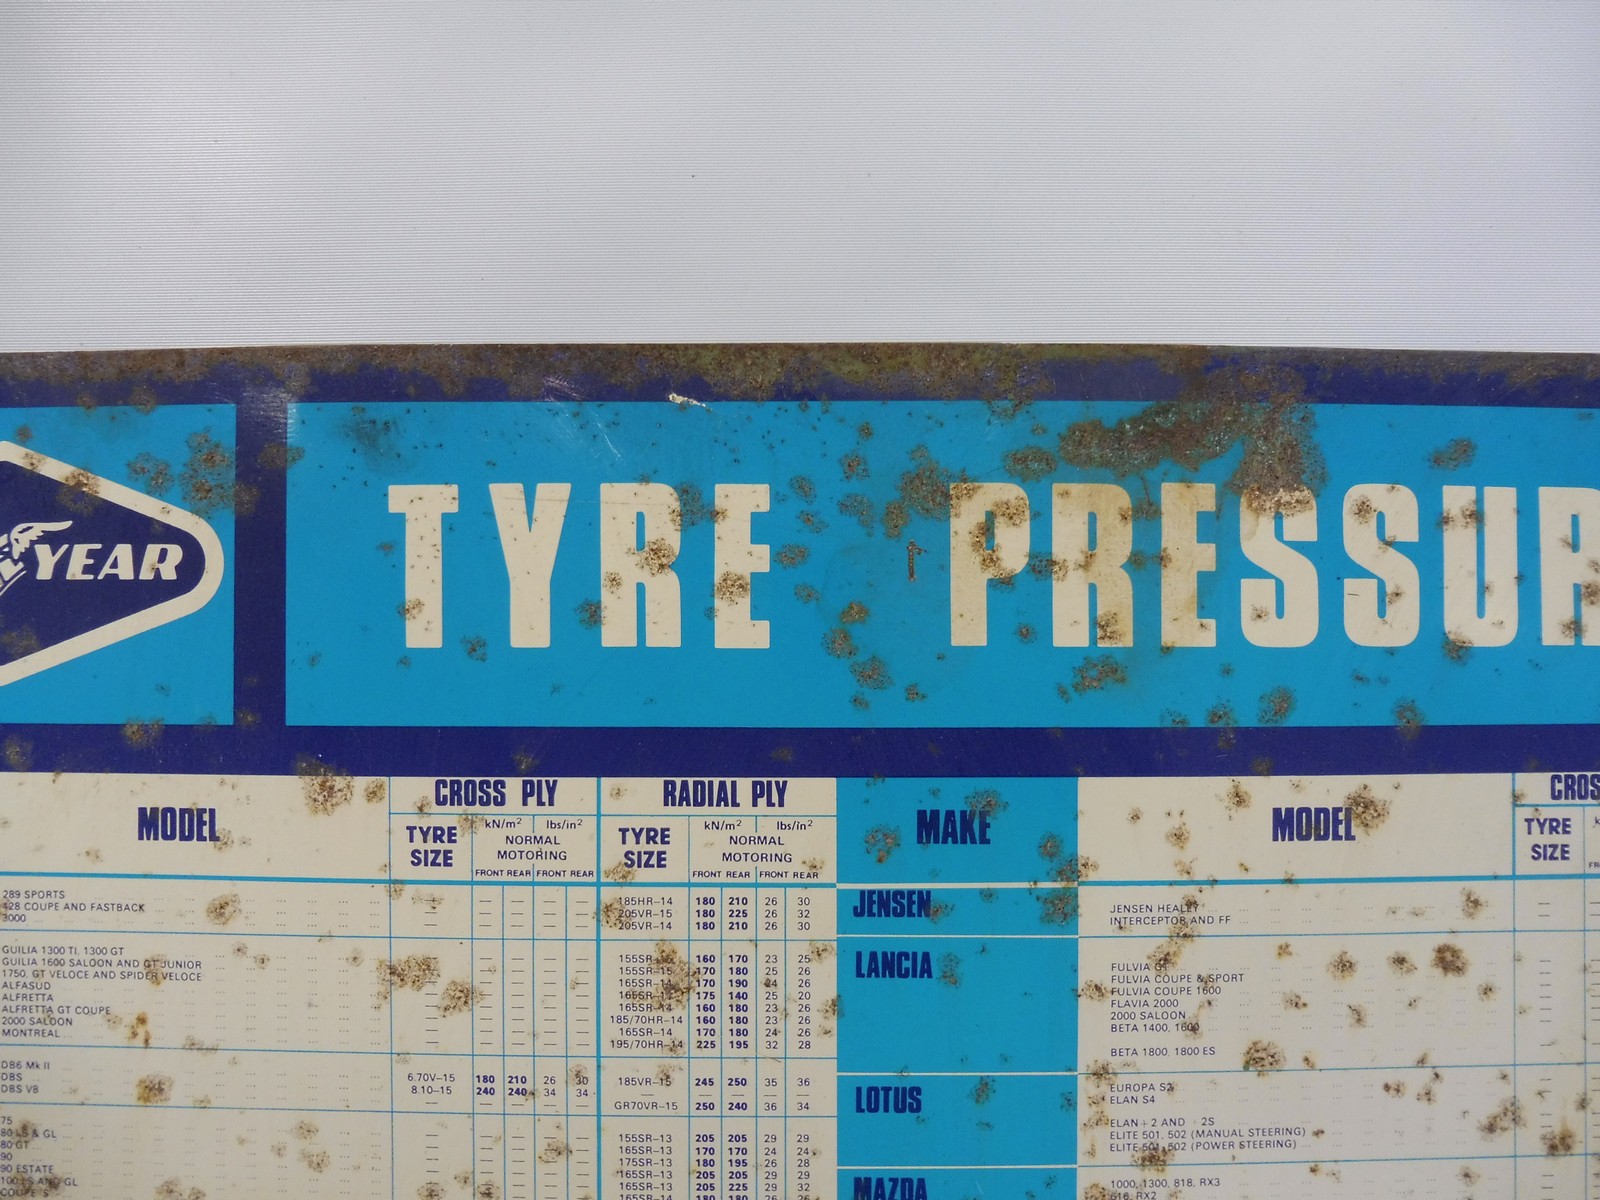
(1421, 173)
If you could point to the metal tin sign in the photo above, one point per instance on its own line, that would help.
(896, 773)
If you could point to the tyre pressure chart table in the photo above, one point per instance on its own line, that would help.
(1219, 985)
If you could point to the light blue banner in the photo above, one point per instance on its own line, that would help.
(857, 598)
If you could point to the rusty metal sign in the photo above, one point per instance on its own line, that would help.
(887, 772)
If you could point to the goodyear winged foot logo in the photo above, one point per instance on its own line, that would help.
(86, 562)
(15, 543)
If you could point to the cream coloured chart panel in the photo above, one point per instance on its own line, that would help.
(665, 988)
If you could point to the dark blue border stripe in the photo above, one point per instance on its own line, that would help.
(260, 557)
(1327, 378)
(262, 748)
(1434, 378)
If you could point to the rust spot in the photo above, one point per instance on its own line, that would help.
(325, 787)
(376, 792)
(1449, 959)
(950, 970)
(142, 734)
(1100, 1074)
(207, 479)
(854, 505)
(1258, 408)
(223, 909)
(150, 473)
(1368, 811)
(620, 872)
(1221, 717)
(657, 556)
(1472, 904)
(1401, 964)
(693, 508)
(20, 1184)
(412, 973)
(18, 753)
(882, 841)
(1276, 705)
(554, 1151)
(1092, 674)
(854, 613)
(458, 996)
(1012, 512)
(1263, 1056)
(1153, 1157)
(1559, 1141)
(792, 555)
(278, 456)
(1341, 966)
(316, 1158)
(1503, 1119)
(1178, 835)
(1294, 1000)
(1408, 719)
(839, 643)
(1029, 464)
(615, 914)
(1094, 990)
(1236, 799)
(173, 1189)
(873, 674)
(1058, 906)
(80, 492)
(732, 586)
(153, 1089)
(923, 491)
(672, 979)
(1165, 956)
(1454, 454)
(305, 1130)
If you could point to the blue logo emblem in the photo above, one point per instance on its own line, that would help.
(86, 562)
